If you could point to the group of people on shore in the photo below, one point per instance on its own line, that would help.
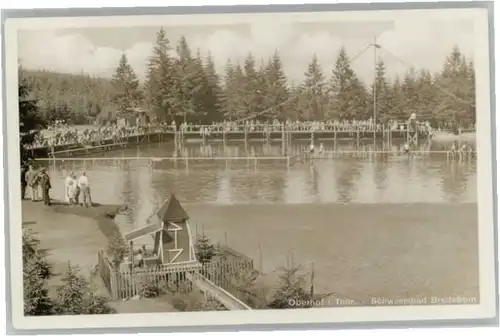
(36, 185)
(74, 187)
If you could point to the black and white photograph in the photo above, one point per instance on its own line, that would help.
(307, 167)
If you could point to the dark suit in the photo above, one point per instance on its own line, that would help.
(24, 184)
(45, 183)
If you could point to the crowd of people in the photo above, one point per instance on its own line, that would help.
(63, 134)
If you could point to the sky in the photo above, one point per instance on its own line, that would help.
(406, 41)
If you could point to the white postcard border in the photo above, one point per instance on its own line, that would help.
(487, 306)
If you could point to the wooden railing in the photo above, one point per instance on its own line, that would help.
(127, 282)
(209, 288)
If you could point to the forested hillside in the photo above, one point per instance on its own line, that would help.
(187, 87)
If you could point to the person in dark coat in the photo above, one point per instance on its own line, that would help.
(46, 186)
(24, 184)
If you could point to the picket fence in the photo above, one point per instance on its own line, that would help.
(123, 284)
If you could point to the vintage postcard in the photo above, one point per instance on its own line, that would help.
(250, 168)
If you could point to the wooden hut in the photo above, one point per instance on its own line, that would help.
(169, 228)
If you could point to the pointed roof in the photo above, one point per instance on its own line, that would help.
(172, 211)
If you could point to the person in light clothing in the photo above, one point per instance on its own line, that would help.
(70, 188)
(84, 185)
(32, 179)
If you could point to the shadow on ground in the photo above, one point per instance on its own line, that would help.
(104, 214)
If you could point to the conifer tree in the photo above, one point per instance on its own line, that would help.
(36, 271)
(348, 94)
(232, 100)
(213, 91)
(313, 101)
(76, 296)
(128, 95)
(383, 95)
(251, 88)
(454, 107)
(160, 83)
(188, 82)
(292, 287)
(205, 251)
(276, 90)
(30, 121)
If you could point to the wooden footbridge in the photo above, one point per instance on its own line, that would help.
(210, 289)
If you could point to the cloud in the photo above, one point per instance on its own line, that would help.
(411, 42)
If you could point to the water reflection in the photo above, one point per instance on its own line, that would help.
(343, 180)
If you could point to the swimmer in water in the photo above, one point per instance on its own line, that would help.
(406, 148)
(311, 148)
(454, 149)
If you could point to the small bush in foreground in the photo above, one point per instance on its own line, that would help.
(149, 290)
(77, 297)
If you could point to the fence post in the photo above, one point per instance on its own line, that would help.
(113, 277)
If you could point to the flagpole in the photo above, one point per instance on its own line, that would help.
(312, 280)
(375, 46)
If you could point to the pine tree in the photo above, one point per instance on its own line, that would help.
(470, 95)
(127, 96)
(276, 91)
(397, 109)
(454, 92)
(30, 121)
(76, 297)
(213, 91)
(160, 83)
(427, 96)
(231, 99)
(410, 94)
(189, 82)
(292, 287)
(383, 95)
(36, 271)
(205, 251)
(252, 93)
(314, 100)
(348, 97)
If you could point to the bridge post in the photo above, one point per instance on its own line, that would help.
(283, 140)
(411, 134)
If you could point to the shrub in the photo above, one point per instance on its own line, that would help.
(116, 251)
(149, 290)
(204, 250)
(35, 293)
(292, 286)
(36, 271)
(77, 297)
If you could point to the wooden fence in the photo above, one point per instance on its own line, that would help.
(123, 284)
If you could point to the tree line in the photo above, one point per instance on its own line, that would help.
(182, 85)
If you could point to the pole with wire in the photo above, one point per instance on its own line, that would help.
(375, 47)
